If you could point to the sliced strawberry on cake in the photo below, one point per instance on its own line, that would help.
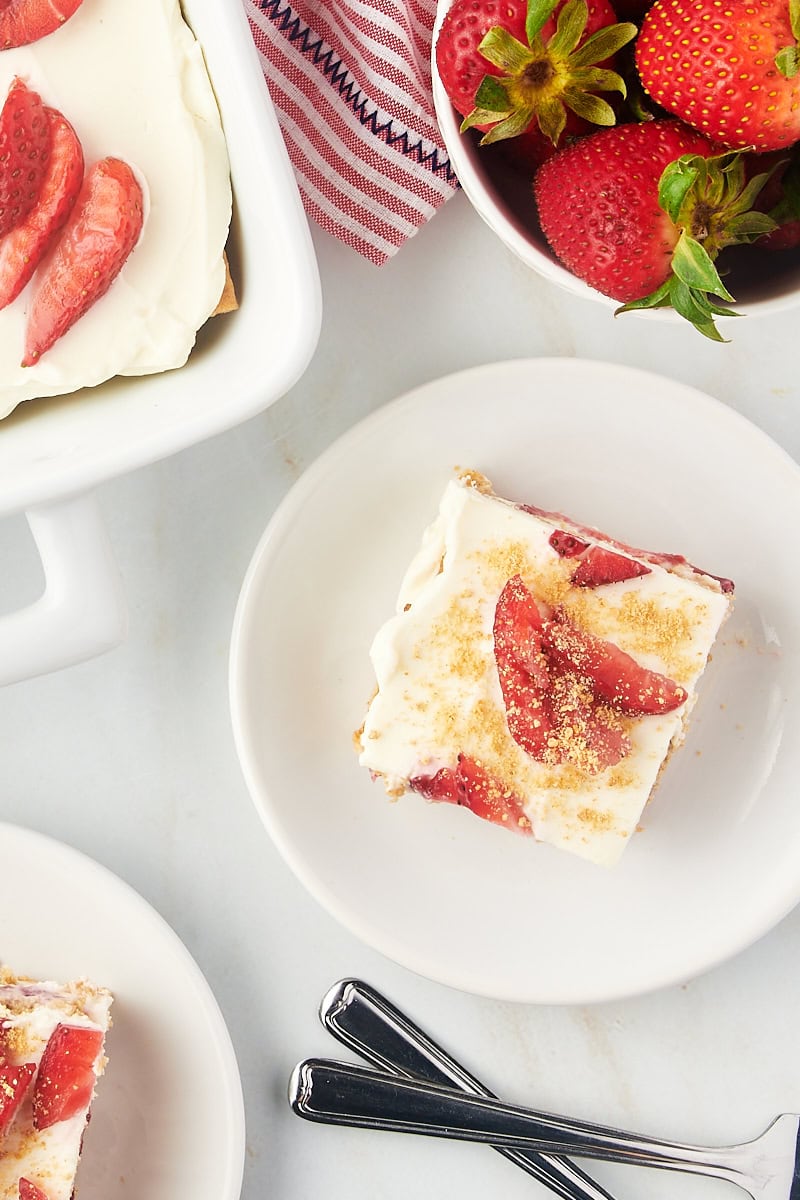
(52, 1050)
(614, 676)
(29, 1191)
(537, 672)
(26, 21)
(14, 1084)
(66, 1075)
(470, 786)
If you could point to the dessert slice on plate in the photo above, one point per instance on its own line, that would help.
(51, 1054)
(537, 672)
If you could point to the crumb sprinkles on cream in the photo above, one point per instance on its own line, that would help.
(499, 684)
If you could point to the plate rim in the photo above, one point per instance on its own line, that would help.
(280, 524)
(92, 869)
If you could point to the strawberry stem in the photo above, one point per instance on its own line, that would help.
(709, 200)
(541, 81)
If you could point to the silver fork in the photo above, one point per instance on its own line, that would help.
(366, 1022)
(336, 1093)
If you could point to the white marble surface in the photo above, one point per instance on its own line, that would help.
(131, 759)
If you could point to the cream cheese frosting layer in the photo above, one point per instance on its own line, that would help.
(438, 687)
(131, 79)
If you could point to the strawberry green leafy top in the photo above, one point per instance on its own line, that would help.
(545, 78)
(787, 60)
(710, 201)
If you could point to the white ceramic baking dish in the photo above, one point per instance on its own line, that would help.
(54, 452)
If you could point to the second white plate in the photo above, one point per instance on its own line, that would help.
(168, 1120)
(654, 463)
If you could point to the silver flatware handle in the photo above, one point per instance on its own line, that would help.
(341, 1094)
(366, 1022)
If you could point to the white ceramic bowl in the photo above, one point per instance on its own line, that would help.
(54, 452)
(763, 282)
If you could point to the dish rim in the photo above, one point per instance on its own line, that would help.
(87, 452)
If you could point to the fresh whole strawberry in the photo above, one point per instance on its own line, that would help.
(100, 233)
(24, 150)
(25, 21)
(459, 62)
(641, 212)
(507, 68)
(24, 247)
(729, 69)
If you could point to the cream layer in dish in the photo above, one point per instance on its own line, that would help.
(131, 79)
(532, 716)
(51, 1053)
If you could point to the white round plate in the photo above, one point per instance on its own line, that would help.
(168, 1119)
(655, 463)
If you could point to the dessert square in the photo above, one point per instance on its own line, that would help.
(51, 1054)
(151, 106)
(537, 671)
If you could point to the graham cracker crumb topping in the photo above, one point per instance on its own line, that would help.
(456, 695)
(596, 818)
(550, 584)
(476, 480)
(650, 627)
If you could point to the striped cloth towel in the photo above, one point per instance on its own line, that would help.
(351, 82)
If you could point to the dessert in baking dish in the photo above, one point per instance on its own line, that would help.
(130, 81)
(538, 672)
(51, 1054)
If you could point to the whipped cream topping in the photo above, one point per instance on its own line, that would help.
(131, 79)
(438, 686)
(29, 1013)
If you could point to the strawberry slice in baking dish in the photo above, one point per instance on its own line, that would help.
(24, 153)
(51, 1056)
(537, 672)
(24, 247)
(101, 231)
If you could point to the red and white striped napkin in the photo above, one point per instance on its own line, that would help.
(351, 82)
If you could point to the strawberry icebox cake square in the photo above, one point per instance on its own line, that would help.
(538, 672)
(51, 1055)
